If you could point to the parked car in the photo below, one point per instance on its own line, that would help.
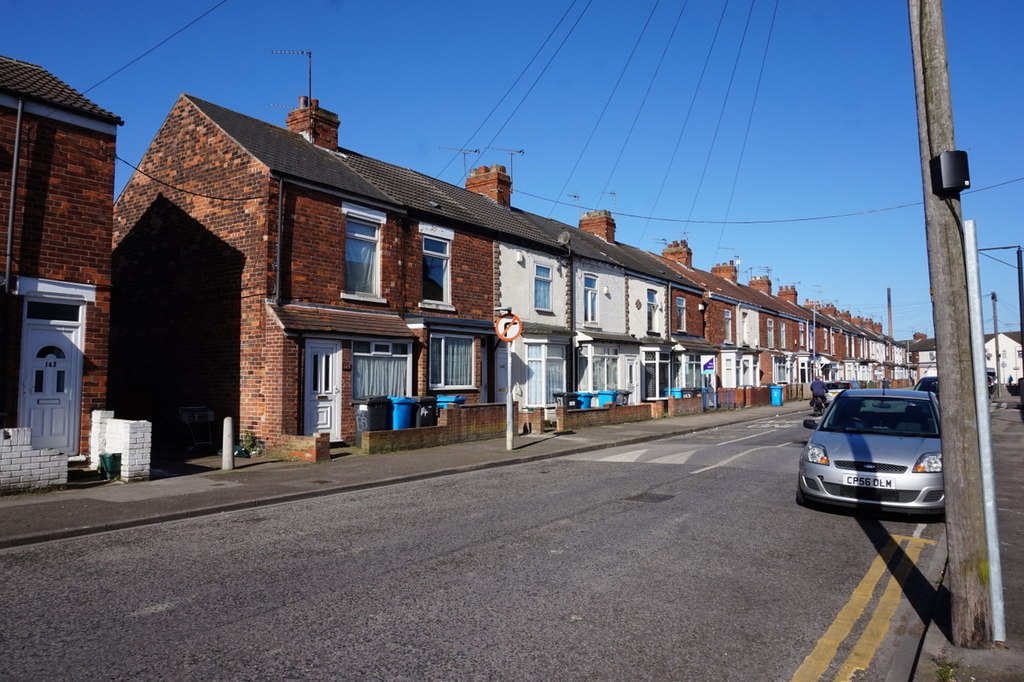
(834, 388)
(928, 384)
(875, 449)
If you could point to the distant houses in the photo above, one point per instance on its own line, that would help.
(269, 274)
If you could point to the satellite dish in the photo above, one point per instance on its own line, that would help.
(563, 238)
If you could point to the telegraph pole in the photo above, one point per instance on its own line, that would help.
(970, 607)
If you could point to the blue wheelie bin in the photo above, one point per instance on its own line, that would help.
(605, 397)
(403, 413)
(586, 400)
(776, 392)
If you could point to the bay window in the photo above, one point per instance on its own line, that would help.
(545, 373)
(451, 361)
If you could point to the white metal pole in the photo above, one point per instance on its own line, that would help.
(509, 415)
(984, 431)
(227, 453)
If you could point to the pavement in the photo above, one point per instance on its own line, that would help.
(194, 486)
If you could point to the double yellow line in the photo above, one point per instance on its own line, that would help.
(859, 658)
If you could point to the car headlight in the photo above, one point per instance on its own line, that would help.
(929, 463)
(815, 454)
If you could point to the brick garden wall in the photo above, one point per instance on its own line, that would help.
(22, 468)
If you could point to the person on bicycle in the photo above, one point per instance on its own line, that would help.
(819, 395)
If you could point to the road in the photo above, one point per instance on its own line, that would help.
(681, 559)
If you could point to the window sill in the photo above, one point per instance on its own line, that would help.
(544, 311)
(362, 298)
(432, 305)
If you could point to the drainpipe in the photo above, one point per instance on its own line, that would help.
(14, 197)
(280, 234)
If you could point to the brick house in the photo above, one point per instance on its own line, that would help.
(269, 275)
(57, 155)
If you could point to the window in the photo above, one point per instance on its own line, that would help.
(545, 373)
(542, 287)
(780, 370)
(435, 270)
(604, 369)
(652, 311)
(362, 250)
(782, 335)
(770, 328)
(451, 361)
(692, 376)
(680, 314)
(589, 299)
(728, 326)
(379, 368)
(656, 373)
(802, 334)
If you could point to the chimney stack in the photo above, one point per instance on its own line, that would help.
(725, 271)
(920, 336)
(762, 283)
(600, 223)
(680, 252)
(788, 294)
(492, 182)
(845, 315)
(317, 125)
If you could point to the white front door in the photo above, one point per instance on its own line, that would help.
(51, 374)
(632, 379)
(323, 388)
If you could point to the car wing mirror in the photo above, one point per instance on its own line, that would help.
(810, 423)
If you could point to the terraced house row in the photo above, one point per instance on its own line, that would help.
(274, 276)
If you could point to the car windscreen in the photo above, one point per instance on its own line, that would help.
(840, 385)
(890, 416)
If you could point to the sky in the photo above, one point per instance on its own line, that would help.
(781, 134)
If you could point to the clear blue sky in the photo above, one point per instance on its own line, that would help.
(832, 129)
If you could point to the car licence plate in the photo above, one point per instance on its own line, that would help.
(871, 482)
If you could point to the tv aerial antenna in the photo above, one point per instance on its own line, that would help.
(309, 69)
(465, 153)
(615, 200)
(576, 200)
(511, 153)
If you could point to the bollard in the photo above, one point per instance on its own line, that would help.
(227, 457)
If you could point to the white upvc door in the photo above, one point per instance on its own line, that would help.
(51, 377)
(323, 387)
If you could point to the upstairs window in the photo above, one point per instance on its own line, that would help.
(542, 287)
(770, 329)
(589, 299)
(680, 314)
(362, 250)
(727, 326)
(652, 311)
(436, 273)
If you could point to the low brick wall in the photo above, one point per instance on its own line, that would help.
(22, 468)
(680, 406)
(315, 448)
(571, 420)
(455, 424)
(133, 440)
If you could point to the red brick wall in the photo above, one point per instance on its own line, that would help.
(190, 277)
(61, 232)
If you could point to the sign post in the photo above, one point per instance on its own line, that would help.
(508, 327)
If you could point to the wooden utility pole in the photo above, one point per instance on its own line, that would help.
(971, 612)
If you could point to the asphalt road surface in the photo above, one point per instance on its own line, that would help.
(681, 559)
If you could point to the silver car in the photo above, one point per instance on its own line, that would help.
(875, 449)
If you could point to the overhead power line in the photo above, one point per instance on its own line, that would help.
(695, 221)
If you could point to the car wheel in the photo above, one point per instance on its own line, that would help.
(801, 501)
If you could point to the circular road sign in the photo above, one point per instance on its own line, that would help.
(508, 327)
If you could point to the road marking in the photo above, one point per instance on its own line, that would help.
(818, 661)
(730, 460)
(631, 456)
(737, 440)
(678, 458)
